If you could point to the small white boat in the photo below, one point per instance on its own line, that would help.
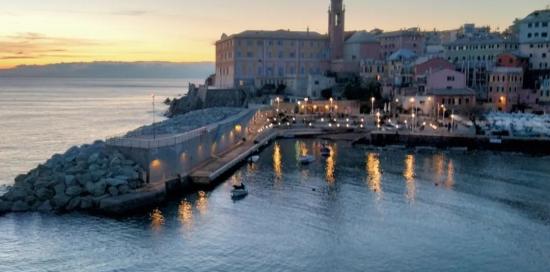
(304, 160)
(254, 159)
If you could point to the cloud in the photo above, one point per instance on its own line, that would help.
(30, 45)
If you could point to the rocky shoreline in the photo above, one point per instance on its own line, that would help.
(76, 180)
(83, 176)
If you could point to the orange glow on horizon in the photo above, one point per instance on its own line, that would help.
(56, 31)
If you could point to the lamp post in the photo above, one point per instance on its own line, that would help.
(306, 100)
(413, 112)
(331, 101)
(372, 105)
(278, 103)
(154, 128)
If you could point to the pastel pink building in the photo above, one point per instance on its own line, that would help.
(446, 79)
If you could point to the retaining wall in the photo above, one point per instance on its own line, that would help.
(164, 159)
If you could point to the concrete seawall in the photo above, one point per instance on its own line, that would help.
(509, 144)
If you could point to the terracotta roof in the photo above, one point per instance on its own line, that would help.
(276, 34)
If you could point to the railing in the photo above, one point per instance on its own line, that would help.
(170, 140)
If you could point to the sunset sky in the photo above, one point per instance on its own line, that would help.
(53, 31)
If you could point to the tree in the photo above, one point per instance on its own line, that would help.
(326, 93)
(280, 89)
(355, 91)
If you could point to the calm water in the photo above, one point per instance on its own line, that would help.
(39, 117)
(358, 210)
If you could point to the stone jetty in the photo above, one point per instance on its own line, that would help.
(76, 180)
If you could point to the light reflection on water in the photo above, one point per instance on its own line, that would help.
(381, 213)
(331, 164)
(157, 220)
(374, 174)
(185, 212)
(409, 175)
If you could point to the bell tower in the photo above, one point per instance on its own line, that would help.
(336, 20)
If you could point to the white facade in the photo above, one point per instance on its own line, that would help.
(544, 95)
(534, 38)
(317, 83)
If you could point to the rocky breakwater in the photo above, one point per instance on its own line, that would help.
(76, 180)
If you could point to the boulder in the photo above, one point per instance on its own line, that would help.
(84, 179)
(133, 184)
(113, 191)
(59, 189)
(127, 163)
(5, 206)
(45, 207)
(86, 203)
(74, 190)
(115, 162)
(98, 188)
(93, 158)
(44, 193)
(60, 201)
(44, 182)
(20, 206)
(129, 172)
(15, 194)
(123, 189)
(98, 174)
(117, 181)
(31, 200)
(70, 180)
(20, 178)
(73, 204)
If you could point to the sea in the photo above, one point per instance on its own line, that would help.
(359, 209)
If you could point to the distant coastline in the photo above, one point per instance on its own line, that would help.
(109, 69)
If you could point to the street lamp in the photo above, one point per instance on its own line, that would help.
(154, 128)
(372, 105)
(278, 103)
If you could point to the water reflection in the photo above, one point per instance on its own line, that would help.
(277, 162)
(302, 149)
(439, 164)
(237, 178)
(157, 220)
(251, 168)
(450, 182)
(185, 214)
(374, 172)
(202, 203)
(331, 165)
(409, 175)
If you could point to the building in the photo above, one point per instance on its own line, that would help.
(505, 86)
(454, 100)
(400, 68)
(513, 59)
(371, 69)
(445, 79)
(258, 58)
(411, 39)
(336, 29)
(425, 67)
(318, 83)
(475, 56)
(544, 92)
(534, 39)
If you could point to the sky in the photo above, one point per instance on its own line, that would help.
(54, 31)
